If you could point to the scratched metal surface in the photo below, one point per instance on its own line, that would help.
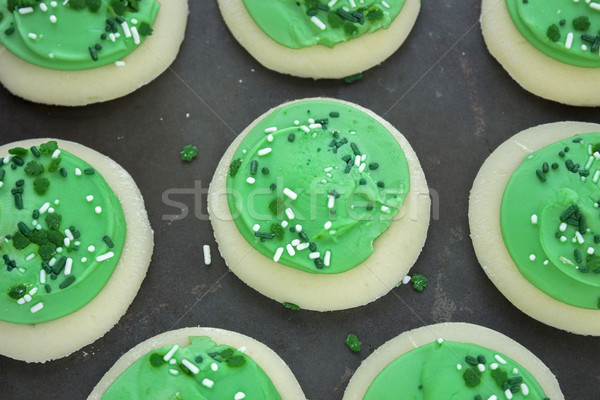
(442, 90)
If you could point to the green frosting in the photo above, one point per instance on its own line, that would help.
(77, 34)
(314, 183)
(565, 30)
(201, 371)
(550, 220)
(304, 23)
(62, 231)
(453, 370)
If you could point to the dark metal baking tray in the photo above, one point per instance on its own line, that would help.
(442, 90)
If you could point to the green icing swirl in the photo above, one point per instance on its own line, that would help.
(342, 205)
(548, 24)
(451, 370)
(202, 370)
(304, 23)
(76, 211)
(76, 35)
(550, 220)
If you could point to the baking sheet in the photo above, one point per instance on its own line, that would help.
(442, 90)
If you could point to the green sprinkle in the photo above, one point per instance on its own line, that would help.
(20, 183)
(581, 23)
(53, 220)
(472, 377)
(236, 361)
(353, 343)
(272, 186)
(553, 33)
(582, 224)
(291, 137)
(189, 152)
(291, 306)
(515, 380)
(419, 282)
(17, 291)
(145, 29)
(156, 360)
(353, 78)
(54, 164)
(264, 235)
(577, 255)
(10, 30)
(34, 168)
(234, 167)
(276, 206)
(478, 397)
(500, 377)
(59, 265)
(18, 151)
(67, 282)
(362, 181)
(319, 263)
(108, 241)
(89, 171)
(48, 147)
(47, 251)
(569, 212)
(277, 230)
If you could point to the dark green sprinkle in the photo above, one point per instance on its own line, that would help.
(89, 171)
(265, 170)
(199, 359)
(24, 229)
(553, 33)
(108, 241)
(557, 234)
(369, 206)
(380, 184)
(20, 183)
(291, 137)
(540, 175)
(18, 151)
(312, 246)
(322, 6)
(303, 236)
(584, 172)
(545, 168)
(566, 149)
(515, 380)
(334, 114)
(67, 282)
(515, 388)
(98, 46)
(347, 158)
(59, 265)
(472, 377)
(272, 186)
(596, 238)
(373, 165)
(264, 235)
(311, 12)
(554, 165)
(54, 164)
(234, 167)
(577, 254)
(35, 214)
(348, 167)
(93, 53)
(471, 360)
(63, 172)
(568, 212)
(293, 229)
(478, 397)
(577, 140)
(48, 288)
(481, 359)
(562, 22)
(156, 360)
(17, 291)
(584, 270)
(362, 181)
(2, 172)
(561, 153)
(355, 149)
(353, 78)
(319, 263)
(103, 36)
(253, 167)
(291, 306)
(18, 201)
(582, 225)
(18, 160)
(10, 30)
(353, 343)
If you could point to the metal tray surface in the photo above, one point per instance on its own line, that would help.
(442, 90)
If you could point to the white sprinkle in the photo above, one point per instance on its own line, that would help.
(583, 47)
(136, 35)
(579, 237)
(362, 167)
(314, 255)
(67, 242)
(206, 250)
(250, 180)
(352, 3)
(32, 35)
(595, 180)
(53, 19)
(299, 227)
(284, 224)
(91, 249)
(327, 258)
(27, 298)
(546, 262)
(112, 37)
(89, 198)
(126, 29)
(256, 227)
(327, 225)
(295, 242)
(515, 371)
(305, 128)
(264, 151)
(239, 396)
(385, 208)
(83, 259)
(508, 394)
(328, 169)
(26, 10)
(44, 208)
(171, 353)
(173, 361)
(524, 389)
(311, 121)
(302, 246)
(270, 138)
(53, 3)
(595, 6)
(289, 193)
(52, 262)
(68, 266)
(33, 291)
(499, 359)
(51, 210)
(77, 172)
(332, 3)
(43, 7)
(289, 213)
(56, 202)
(120, 63)
(296, 122)
(56, 153)
(105, 256)
(173, 372)
(569, 41)
(271, 129)
(315, 126)
(562, 227)
(278, 254)
(208, 383)
(534, 219)
(481, 367)
(59, 250)
(563, 239)
(385, 4)
(590, 250)
(42, 276)
(30, 257)
(69, 235)
(357, 161)
(532, 257)
(38, 227)
(21, 301)
(458, 367)
(331, 201)
(214, 367)
(37, 307)
(98, 210)
(493, 366)
(493, 397)
(193, 369)
(406, 279)
(290, 249)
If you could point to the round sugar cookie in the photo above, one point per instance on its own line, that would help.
(484, 221)
(60, 337)
(276, 369)
(319, 61)
(536, 72)
(78, 88)
(456, 332)
(395, 250)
